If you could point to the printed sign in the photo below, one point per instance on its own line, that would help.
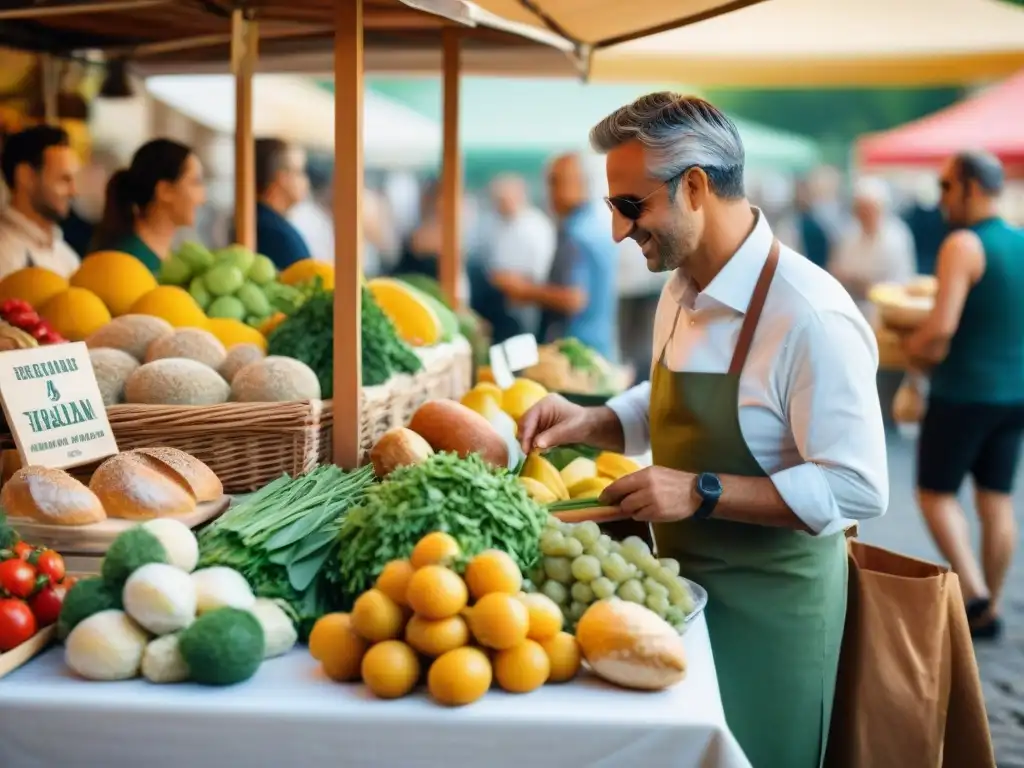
(53, 406)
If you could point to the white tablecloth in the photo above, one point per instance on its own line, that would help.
(290, 715)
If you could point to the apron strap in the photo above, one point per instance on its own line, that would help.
(753, 315)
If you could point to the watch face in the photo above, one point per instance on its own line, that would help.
(709, 484)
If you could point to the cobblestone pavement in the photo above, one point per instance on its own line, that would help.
(1001, 663)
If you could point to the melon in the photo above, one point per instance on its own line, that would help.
(119, 279)
(130, 333)
(176, 381)
(412, 314)
(191, 343)
(275, 379)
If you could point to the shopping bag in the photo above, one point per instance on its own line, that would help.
(908, 693)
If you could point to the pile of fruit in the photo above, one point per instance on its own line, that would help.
(463, 631)
(581, 478)
(22, 327)
(151, 613)
(233, 283)
(32, 589)
(581, 565)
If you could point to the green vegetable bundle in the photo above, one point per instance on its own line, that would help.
(480, 506)
(308, 335)
(280, 537)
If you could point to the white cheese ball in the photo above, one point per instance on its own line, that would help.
(160, 598)
(163, 663)
(178, 539)
(221, 587)
(106, 646)
(278, 630)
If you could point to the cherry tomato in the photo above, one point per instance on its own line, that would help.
(23, 550)
(46, 603)
(50, 337)
(14, 305)
(17, 578)
(17, 623)
(51, 564)
(26, 320)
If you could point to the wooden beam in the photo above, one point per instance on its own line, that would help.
(77, 9)
(450, 262)
(244, 37)
(348, 231)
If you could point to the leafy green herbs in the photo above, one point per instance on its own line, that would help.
(384, 353)
(481, 507)
(280, 537)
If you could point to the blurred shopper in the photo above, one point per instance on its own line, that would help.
(147, 202)
(973, 341)
(39, 168)
(87, 208)
(876, 247)
(281, 184)
(579, 298)
(312, 216)
(928, 226)
(803, 230)
(522, 245)
(421, 249)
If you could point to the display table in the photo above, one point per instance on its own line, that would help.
(290, 715)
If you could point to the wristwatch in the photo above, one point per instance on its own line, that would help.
(709, 488)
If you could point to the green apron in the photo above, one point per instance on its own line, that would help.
(776, 597)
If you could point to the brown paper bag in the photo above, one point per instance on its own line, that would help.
(908, 693)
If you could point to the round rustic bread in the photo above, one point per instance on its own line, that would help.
(134, 486)
(198, 478)
(50, 496)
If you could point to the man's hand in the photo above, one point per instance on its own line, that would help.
(654, 495)
(555, 421)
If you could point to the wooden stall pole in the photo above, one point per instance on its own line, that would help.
(348, 230)
(244, 53)
(450, 263)
(50, 69)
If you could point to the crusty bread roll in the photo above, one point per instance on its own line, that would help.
(198, 478)
(629, 645)
(134, 486)
(50, 496)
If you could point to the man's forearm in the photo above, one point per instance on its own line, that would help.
(605, 430)
(755, 500)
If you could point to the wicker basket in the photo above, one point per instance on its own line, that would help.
(249, 444)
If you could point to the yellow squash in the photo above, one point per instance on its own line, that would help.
(543, 471)
(615, 465)
(588, 488)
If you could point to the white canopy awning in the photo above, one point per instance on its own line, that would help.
(299, 111)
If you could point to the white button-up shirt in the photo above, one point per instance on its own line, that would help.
(24, 244)
(808, 402)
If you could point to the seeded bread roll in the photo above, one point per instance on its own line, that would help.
(134, 486)
(50, 496)
(200, 480)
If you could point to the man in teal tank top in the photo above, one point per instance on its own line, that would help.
(973, 342)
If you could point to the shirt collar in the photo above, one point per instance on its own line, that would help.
(734, 284)
(39, 236)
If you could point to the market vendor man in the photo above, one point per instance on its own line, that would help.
(762, 415)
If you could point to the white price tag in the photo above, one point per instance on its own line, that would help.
(515, 354)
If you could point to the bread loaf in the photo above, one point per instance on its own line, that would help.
(198, 478)
(50, 496)
(629, 645)
(450, 426)
(134, 486)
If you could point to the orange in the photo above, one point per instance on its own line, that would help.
(523, 668)
(493, 571)
(499, 621)
(435, 592)
(459, 677)
(394, 580)
(546, 617)
(437, 548)
(390, 669)
(377, 617)
(564, 654)
(337, 647)
(433, 638)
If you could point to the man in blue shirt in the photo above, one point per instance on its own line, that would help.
(579, 299)
(281, 183)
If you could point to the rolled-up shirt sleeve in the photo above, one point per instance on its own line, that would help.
(827, 390)
(633, 407)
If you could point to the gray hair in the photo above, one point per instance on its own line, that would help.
(678, 133)
(983, 168)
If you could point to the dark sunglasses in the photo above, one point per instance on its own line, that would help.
(632, 208)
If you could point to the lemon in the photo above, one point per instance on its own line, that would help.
(521, 396)
(499, 621)
(493, 571)
(434, 638)
(459, 677)
(390, 669)
(546, 617)
(522, 668)
(394, 580)
(337, 647)
(435, 548)
(563, 653)
(377, 617)
(436, 592)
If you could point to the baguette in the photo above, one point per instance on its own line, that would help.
(50, 496)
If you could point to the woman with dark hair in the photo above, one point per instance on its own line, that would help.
(149, 200)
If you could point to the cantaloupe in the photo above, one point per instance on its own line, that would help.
(238, 357)
(415, 319)
(450, 426)
(130, 333)
(275, 379)
(112, 368)
(176, 381)
(119, 279)
(191, 343)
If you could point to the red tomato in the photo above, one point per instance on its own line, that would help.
(46, 603)
(26, 320)
(50, 564)
(50, 337)
(14, 305)
(17, 624)
(22, 550)
(17, 578)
